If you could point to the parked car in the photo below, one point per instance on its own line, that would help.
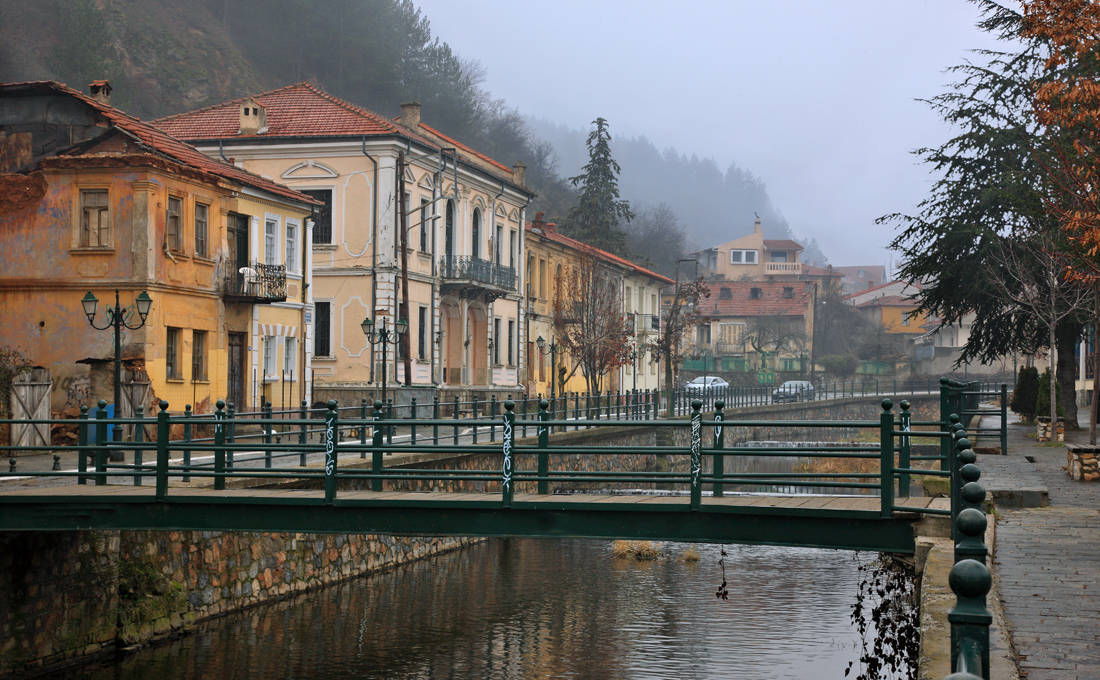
(793, 390)
(707, 383)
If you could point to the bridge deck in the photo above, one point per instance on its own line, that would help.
(799, 520)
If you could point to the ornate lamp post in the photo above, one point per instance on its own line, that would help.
(634, 363)
(116, 317)
(552, 350)
(384, 336)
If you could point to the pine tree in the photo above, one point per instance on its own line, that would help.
(599, 211)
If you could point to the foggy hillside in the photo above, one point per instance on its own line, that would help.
(376, 53)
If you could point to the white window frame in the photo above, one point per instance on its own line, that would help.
(745, 256)
(271, 240)
(270, 359)
(290, 356)
(293, 264)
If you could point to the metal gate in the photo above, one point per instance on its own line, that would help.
(30, 400)
(135, 392)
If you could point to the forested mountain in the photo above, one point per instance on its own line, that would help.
(164, 57)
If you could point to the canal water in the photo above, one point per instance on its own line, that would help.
(539, 608)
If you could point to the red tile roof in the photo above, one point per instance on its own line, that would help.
(770, 303)
(890, 301)
(159, 142)
(782, 244)
(812, 270)
(305, 110)
(547, 231)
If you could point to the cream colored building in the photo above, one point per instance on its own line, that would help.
(463, 214)
(752, 257)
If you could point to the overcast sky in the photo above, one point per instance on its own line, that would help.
(817, 97)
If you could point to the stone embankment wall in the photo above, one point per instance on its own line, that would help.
(70, 594)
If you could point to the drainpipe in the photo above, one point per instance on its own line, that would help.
(373, 248)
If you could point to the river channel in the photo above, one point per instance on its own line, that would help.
(538, 608)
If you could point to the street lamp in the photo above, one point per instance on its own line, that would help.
(384, 336)
(115, 317)
(553, 349)
(634, 363)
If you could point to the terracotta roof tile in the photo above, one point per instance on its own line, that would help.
(772, 301)
(552, 235)
(890, 301)
(460, 145)
(160, 142)
(782, 244)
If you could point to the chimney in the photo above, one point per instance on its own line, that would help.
(519, 174)
(410, 115)
(756, 225)
(253, 118)
(100, 91)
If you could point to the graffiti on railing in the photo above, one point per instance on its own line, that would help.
(506, 481)
(330, 448)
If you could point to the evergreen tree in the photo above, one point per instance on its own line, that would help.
(599, 211)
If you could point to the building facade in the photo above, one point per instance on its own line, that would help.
(416, 226)
(108, 204)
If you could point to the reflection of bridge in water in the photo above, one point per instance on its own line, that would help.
(513, 497)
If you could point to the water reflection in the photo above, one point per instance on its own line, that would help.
(539, 608)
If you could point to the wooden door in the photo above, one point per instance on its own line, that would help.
(235, 383)
(30, 400)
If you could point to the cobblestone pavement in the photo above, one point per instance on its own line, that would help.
(1048, 563)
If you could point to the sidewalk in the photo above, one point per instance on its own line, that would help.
(1047, 555)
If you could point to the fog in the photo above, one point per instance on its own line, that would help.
(818, 100)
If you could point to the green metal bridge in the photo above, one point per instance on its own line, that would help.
(861, 488)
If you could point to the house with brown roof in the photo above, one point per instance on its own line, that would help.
(94, 200)
(752, 257)
(399, 196)
(551, 256)
(761, 329)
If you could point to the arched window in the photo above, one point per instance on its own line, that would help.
(475, 248)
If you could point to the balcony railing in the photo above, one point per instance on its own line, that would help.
(256, 283)
(783, 268)
(477, 270)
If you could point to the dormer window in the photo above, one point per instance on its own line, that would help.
(742, 257)
(755, 293)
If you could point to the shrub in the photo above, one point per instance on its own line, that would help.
(1042, 399)
(1026, 392)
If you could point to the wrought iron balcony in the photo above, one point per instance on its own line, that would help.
(478, 272)
(258, 283)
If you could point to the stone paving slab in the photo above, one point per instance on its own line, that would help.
(1047, 559)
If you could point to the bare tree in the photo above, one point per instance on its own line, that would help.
(1032, 272)
(679, 315)
(770, 335)
(589, 322)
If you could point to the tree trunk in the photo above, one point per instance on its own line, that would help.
(1067, 334)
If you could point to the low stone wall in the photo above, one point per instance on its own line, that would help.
(1081, 462)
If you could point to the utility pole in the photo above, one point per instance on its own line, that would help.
(403, 240)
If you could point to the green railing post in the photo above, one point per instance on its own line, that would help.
(163, 434)
(332, 419)
(412, 425)
(696, 454)
(506, 483)
(719, 444)
(455, 414)
(474, 438)
(389, 416)
(265, 413)
(303, 432)
(904, 450)
(101, 443)
(363, 427)
(138, 439)
(544, 443)
(82, 446)
(492, 417)
(1004, 419)
(230, 433)
(376, 446)
(886, 464)
(220, 436)
(435, 416)
(524, 416)
(187, 435)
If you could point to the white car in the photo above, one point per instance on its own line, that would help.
(706, 383)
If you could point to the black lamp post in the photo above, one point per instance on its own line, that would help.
(384, 336)
(552, 350)
(115, 317)
(634, 363)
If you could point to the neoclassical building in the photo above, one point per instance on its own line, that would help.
(461, 213)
